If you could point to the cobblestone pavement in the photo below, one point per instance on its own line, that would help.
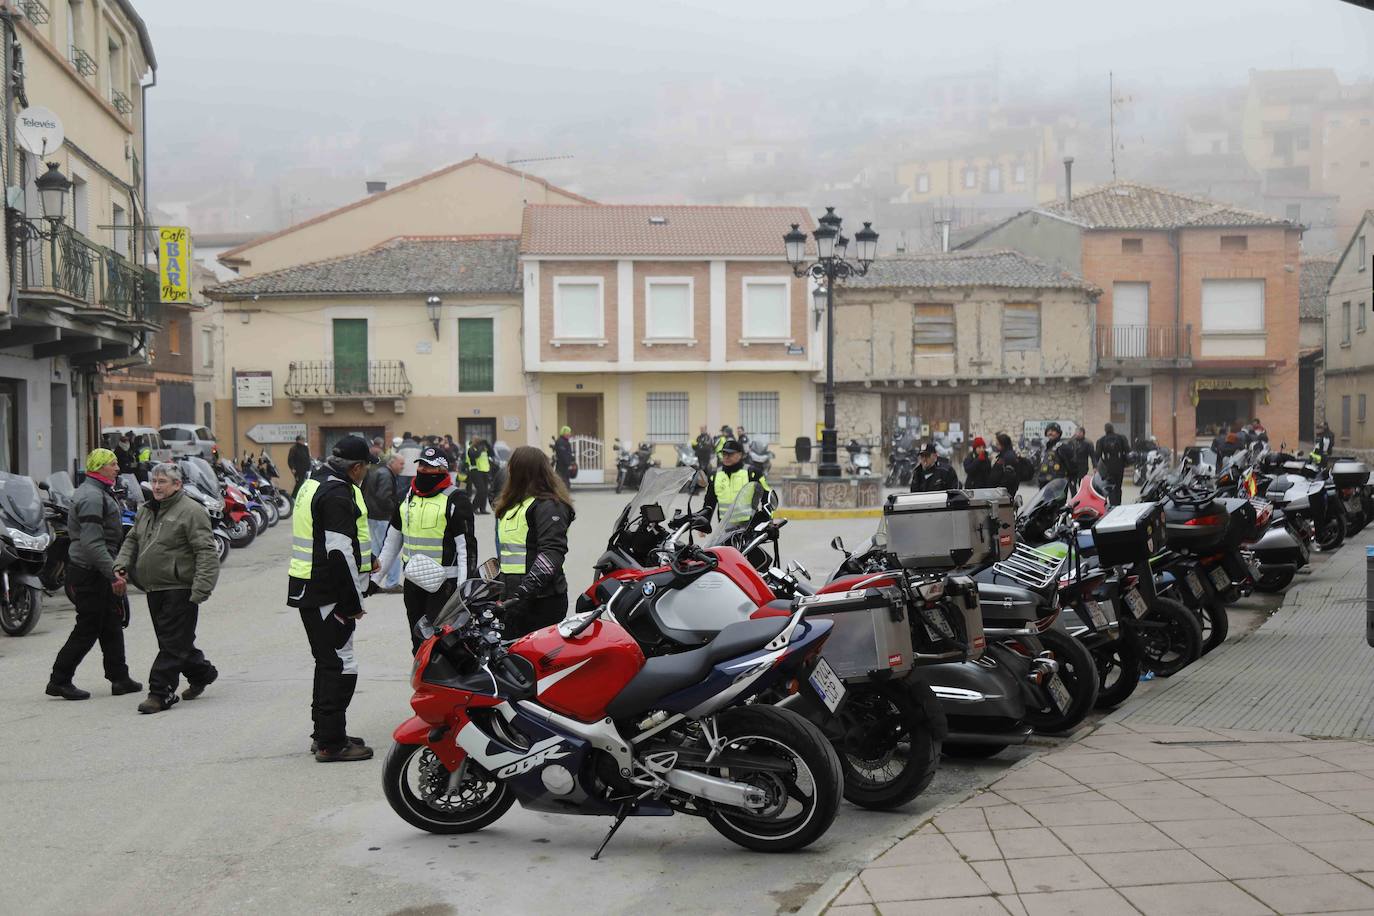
(1306, 671)
(1152, 819)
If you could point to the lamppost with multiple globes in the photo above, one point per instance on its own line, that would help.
(832, 265)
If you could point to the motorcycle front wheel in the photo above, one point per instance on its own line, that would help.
(270, 507)
(284, 505)
(1332, 533)
(416, 784)
(798, 770)
(1275, 581)
(1118, 673)
(889, 750)
(1215, 625)
(222, 546)
(20, 610)
(242, 532)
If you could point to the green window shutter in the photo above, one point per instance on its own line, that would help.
(476, 369)
(350, 355)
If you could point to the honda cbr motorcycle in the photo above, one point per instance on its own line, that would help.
(200, 484)
(887, 731)
(574, 719)
(24, 538)
(264, 510)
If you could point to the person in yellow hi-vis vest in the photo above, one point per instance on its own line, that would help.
(479, 471)
(533, 512)
(432, 532)
(331, 559)
(725, 488)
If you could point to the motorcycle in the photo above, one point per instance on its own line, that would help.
(687, 457)
(199, 483)
(758, 457)
(58, 493)
(887, 731)
(630, 468)
(574, 719)
(1299, 490)
(262, 476)
(24, 538)
(1350, 486)
(900, 464)
(860, 460)
(1148, 460)
(264, 510)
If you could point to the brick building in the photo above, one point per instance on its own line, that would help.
(1197, 325)
(1350, 342)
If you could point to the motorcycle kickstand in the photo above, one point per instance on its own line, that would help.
(624, 812)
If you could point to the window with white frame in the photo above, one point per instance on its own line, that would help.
(922, 184)
(667, 416)
(1021, 326)
(766, 310)
(577, 309)
(207, 348)
(668, 308)
(1232, 306)
(758, 414)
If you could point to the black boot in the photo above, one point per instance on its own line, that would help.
(156, 703)
(67, 691)
(125, 685)
(194, 690)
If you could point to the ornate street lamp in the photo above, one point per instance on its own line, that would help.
(52, 192)
(831, 265)
(434, 305)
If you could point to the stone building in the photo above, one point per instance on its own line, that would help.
(1314, 276)
(962, 344)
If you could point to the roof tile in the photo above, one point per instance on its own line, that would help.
(635, 230)
(1129, 205)
(1008, 269)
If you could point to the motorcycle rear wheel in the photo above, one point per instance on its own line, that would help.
(1271, 582)
(479, 802)
(260, 516)
(20, 610)
(1215, 625)
(1078, 671)
(222, 547)
(273, 516)
(803, 802)
(889, 751)
(1168, 650)
(1332, 534)
(1118, 673)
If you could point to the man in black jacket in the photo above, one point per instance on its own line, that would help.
(380, 497)
(298, 462)
(1082, 451)
(705, 448)
(563, 458)
(1112, 453)
(331, 558)
(932, 474)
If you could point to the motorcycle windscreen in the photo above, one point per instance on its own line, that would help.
(199, 472)
(732, 522)
(133, 490)
(668, 488)
(21, 506)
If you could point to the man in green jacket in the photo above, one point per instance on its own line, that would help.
(170, 554)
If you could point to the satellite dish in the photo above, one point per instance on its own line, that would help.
(39, 131)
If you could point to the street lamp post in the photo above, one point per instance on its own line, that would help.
(831, 265)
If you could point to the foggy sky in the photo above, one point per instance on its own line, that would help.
(245, 89)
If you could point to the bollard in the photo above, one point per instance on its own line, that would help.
(1369, 594)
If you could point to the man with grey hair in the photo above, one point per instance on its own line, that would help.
(379, 494)
(170, 554)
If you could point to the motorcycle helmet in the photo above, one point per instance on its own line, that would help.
(1090, 502)
(1055, 428)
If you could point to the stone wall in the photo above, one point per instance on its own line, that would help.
(1004, 408)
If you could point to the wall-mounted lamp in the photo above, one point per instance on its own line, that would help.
(433, 305)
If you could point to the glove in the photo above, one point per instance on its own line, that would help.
(372, 588)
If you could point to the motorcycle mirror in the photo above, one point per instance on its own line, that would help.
(837, 543)
(423, 628)
(796, 568)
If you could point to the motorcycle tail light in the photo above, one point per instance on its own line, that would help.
(1204, 520)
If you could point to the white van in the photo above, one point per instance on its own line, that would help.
(190, 439)
(141, 436)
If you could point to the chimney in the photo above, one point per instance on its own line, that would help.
(376, 187)
(1068, 180)
(943, 223)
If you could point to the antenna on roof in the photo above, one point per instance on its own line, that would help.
(522, 171)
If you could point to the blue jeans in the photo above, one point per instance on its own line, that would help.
(377, 530)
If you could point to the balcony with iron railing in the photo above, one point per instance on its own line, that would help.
(121, 102)
(92, 282)
(1144, 346)
(34, 11)
(330, 380)
(84, 63)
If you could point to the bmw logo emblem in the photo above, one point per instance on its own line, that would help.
(649, 588)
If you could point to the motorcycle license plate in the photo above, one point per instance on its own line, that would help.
(937, 627)
(1095, 614)
(1194, 584)
(827, 684)
(1136, 602)
(1059, 693)
(1220, 577)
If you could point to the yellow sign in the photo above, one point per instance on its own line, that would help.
(174, 263)
(1228, 384)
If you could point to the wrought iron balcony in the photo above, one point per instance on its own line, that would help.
(121, 102)
(1144, 345)
(84, 63)
(328, 380)
(70, 271)
(34, 11)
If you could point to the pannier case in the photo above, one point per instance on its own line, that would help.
(1199, 528)
(1129, 534)
(1241, 516)
(1350, 474)
(945, 530)
(870, 631)
(1003, 508)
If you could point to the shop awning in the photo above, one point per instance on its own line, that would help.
(1228, 384)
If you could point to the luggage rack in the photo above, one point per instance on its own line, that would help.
(1030, 566)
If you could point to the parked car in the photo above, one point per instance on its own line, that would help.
(190, 439)
(141, 436)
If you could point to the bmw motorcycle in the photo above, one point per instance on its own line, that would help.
(574, 719)
(24, 537)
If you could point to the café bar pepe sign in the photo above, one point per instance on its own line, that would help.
(174, 263)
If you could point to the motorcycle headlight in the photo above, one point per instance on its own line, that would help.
(29, 541)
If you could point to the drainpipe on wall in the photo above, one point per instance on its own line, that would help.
(1068, 180)
(1176, 240)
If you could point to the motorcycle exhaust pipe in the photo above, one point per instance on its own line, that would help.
(720, 791)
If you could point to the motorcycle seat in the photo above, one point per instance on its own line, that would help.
(665, 674)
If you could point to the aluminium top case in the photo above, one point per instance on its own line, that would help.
(952, 529)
